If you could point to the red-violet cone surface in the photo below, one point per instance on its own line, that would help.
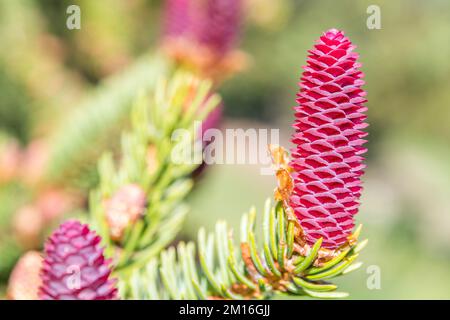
(74, 266)
(327, 159)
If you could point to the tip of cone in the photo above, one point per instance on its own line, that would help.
(332, 33)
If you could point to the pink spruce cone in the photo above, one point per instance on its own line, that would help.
(212, 23)
(74, 266)
(327, 159)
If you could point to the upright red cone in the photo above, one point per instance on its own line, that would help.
(74, 266)
(327, 159)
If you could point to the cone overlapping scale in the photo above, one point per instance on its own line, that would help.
(328, 156)
(74, 266)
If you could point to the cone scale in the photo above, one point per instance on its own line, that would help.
(327, 159)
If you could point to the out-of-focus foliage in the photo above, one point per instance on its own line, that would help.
(47, 73)
(77, 142)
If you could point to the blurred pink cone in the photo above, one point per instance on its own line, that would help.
(34, 160)
(28, 224)
(202, 35)
(25, 279)
(10, 155)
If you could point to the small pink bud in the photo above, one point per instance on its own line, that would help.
(124, 208)
(10, 157)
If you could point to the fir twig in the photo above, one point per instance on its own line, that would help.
(249, 275)
(147, 163)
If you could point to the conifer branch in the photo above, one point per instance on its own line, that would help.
(216, 269)
(146, 166)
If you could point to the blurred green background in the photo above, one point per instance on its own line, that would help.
(46, 72)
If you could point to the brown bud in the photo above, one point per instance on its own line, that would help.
(152, 159)
(205, 62)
